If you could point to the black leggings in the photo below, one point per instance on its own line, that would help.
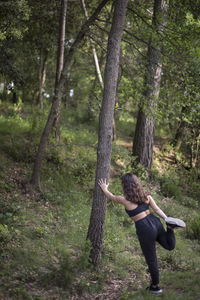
(149, 230)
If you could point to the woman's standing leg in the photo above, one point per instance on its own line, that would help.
(149, 250)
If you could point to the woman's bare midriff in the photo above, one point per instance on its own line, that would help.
(141, 215)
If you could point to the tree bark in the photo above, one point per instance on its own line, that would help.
(97, 218)
(96, 61)
(179, 134)
(60, 62)
(42, 75)
(144, 133)
(194, 150)
(98, 70)
(180, 130)
(57, 98)
(97, 67)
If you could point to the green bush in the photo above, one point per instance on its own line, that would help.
(134, 167)
(195, 190)
(5, 235)
(193, 229)
(62, 268)
(189, 202)
(170, 189)
(170, 185)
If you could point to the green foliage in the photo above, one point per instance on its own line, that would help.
(14, 131)
(12, 25)
(62, 268)
(138, 169)
(170, 185)
(189, 202)
(195, 190)
(193, 229)
(5, 235)
(170, 189)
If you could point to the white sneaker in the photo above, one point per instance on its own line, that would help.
(173, 222)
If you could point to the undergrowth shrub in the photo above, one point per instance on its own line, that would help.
(20, 131)
(5, 235)
(170, 189)
(62, 268)
(193, 228)
(195, 191)
(174, 261)
(83, 261)
(132, 166)
(170, 185)
(190, 202)
(84, 165)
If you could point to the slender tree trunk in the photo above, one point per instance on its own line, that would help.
(97, 65)
(194, 147)
(58, 95)
(60, 61)
(180, 130)
(116, 100)
(97, 218)
(96, 61)
(92, 95)
(179, 134)
(98, 70)
(144, 132)
(42, 75)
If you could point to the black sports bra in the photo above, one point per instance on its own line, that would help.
(140, 208)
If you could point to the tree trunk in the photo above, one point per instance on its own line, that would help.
(97, 218)
(92, 95)
(117, 90)
(96, 61)
(180, 130)
(60, 61)
(42, 75)
(58, 95)
(195, 133)
(179, 134)
(97, 66)
(144, 133)
(98, 70)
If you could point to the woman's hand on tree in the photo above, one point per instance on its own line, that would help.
(103, 184)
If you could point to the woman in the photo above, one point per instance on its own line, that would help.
(149, 228)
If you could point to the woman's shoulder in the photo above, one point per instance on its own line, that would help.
(148, 199)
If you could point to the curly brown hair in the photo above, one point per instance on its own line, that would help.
(133, 190)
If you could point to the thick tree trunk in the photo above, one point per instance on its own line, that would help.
(144, 133)
(97, 219)
(58, 95)
(60, 61)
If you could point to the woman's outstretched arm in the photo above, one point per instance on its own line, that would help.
(104, 186)
(156, 208)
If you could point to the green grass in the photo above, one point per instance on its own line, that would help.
(44, 252)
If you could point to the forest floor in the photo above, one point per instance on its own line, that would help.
(44, 254)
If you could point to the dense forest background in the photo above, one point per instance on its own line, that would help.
(79, 100)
